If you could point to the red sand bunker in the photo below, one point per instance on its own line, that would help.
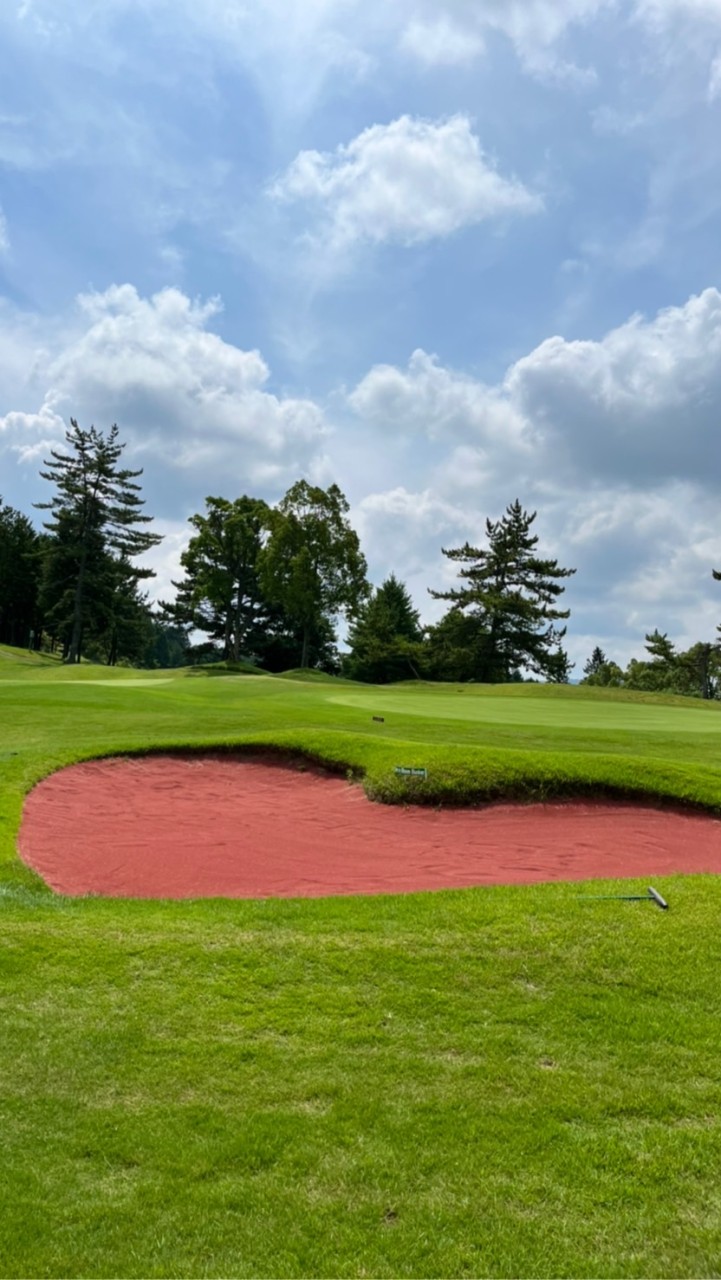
(198, 827)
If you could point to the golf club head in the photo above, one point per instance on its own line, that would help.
(660, 902)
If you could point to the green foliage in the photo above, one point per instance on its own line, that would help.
(220, 592)
(283, 644)
(695, 673)
(608, 676)
(96, 527)
(456, 647)
(385, 639)
(62, 605)
(511, 597)
(312, 566)
(123, 619)
(595, 663)
(166, 645)
(601, 672)
(20, 549)
(703, 664)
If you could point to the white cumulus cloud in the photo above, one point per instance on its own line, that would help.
(189, 403)
(445, 31)
(614, 441)
(443, 404)
(439, 41)
(642, 403)
(407, 182)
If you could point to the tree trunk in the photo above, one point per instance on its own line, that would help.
(228, 631)
(236, 629)
(306, 646)
(77, 631)
(705, 670)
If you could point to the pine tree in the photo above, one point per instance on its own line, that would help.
(595, 663)
(512, 595)
(385, 639)
(95, 515)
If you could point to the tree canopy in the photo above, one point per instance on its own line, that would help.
(312, 565)
(510, 595)
(97, 529)
(20, 567)
(385, 639)
(220, 592)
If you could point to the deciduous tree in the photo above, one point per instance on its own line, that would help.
(312, 566)
(220, 592)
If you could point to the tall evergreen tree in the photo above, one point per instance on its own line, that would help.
(122, 617)
(59, 604)
(595, 663)
(385, 639)
(95, 514)
(511, 593)
(452, 649)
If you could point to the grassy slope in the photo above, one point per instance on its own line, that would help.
(491, 1082)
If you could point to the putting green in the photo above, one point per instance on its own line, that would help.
(530, 711)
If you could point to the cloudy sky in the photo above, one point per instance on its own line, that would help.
(447, 253)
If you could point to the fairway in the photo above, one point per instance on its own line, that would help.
(496, 1081)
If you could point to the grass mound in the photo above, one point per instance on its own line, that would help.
(228, 668)
(10, 657)
(308, 676)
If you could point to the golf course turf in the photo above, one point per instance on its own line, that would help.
(496, 1081)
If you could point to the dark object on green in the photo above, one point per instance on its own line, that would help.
(651, 895)
(380, 719)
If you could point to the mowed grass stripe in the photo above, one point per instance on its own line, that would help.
(489, 1082)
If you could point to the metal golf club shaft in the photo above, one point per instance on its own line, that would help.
(651, 895)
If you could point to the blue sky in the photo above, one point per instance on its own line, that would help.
(446, 254)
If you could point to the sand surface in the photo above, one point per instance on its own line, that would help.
(220, 826)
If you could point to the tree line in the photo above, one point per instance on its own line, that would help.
(693, 673)
(267, 584)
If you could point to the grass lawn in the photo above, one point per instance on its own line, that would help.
(492, 1082)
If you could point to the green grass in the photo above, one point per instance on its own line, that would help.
(492, 1082)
